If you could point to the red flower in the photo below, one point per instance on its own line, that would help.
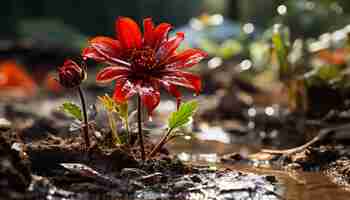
(71, 74)
(141, 65)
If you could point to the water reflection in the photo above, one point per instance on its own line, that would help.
(210, 158)
(215, 133)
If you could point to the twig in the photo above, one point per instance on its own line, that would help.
(321, 135)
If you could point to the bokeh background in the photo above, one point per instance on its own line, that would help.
(41, 34)
(96, 17)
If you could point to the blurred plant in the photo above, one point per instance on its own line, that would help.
(259, 52)
(141, 65)
(226, 50)
(310, 18)
(327, 74)
(287, 58)
(14, 80)
(51, 33)
(71, 75)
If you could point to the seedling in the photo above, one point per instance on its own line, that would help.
(176, 120)
(121, 110)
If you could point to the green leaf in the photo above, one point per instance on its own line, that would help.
(72, 110)
(183, 115)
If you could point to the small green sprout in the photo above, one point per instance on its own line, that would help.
(176, 120)
(121, 110)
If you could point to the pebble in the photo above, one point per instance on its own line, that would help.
(181, 185)
(132, 173)
(5, 124)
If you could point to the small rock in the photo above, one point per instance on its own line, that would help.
(5, 124)
(232, 158)
(271, 179)
(151, 178)
(293, 166)
(132, 173)
(196, 178)
(182, 185)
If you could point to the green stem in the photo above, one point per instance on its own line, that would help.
(112, 124)
(86, 124)
(160, 144)
(139, 120)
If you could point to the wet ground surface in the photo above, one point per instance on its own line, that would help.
(155, 179)
(297, 184)
(42, 160)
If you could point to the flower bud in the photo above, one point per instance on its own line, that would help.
(71, 74)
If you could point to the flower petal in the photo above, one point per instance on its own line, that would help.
(184, 79)
(148, 28)
(185, 59)
(169, 47)
(102, 48)
(129, 33)
(160, 34)
(111, 73)
(150, 96)
(124, 89)
(90, 52)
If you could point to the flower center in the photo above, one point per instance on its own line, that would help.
(142, 59)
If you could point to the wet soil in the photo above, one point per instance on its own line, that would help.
(68, 172)
(49, 162)
(39, 160)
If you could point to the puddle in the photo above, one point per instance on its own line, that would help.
(297, 185)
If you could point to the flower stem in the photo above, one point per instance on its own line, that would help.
(86, 124)
(160, 144)
(139, 120)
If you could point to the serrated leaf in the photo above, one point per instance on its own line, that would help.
(72, 110)
(183, 115)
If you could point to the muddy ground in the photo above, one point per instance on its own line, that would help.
(41, 159)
